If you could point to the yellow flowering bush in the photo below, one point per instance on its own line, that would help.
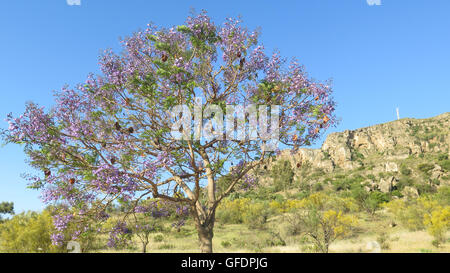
(438, 223)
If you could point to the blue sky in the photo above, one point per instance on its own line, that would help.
(380, 57)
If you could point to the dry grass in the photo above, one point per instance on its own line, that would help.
(239, 239)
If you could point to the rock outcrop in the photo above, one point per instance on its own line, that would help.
(379, 148)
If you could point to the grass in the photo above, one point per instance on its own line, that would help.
(237, 238)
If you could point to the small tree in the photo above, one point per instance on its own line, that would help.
(282, 175)
(117, 136)
(438, 223)
(323, 228)
(368, 201)
(6, 208)
(28, 233)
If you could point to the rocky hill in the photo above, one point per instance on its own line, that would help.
(408, 155)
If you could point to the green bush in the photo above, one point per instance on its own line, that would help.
(166, 246)
(368, 201)
(443, 157)
(425, 188)
(347, 183)
(225, 244)
(28, 232)
(383, 239)
(404, 182)
(282, 175)
(317, 186)
(425, 167)
(405, 170)
(256, 215)
(158, 238)
(232, 211)
(445, 164)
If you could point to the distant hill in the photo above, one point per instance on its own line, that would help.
(408, 156)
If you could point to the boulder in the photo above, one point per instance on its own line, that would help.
(410, 192)
(391, 167)
(387, 184)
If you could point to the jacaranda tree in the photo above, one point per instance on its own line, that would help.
(113, 138)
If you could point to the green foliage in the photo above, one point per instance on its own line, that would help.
(425, 167)
(445, 164)
(282, 175)
(317, 187)
(357, 155)
(326, 155)
(425, 188)
(438, 223)
(442, 157)
(405, 182)
(256, 215)
(383, 239)
(158, 238)
(405, 170)
(252, 213)
(232, 211)
(6, 208)
(322, 228)
(371, 177)
(166, 246)
(347, 183)
(225, 244)
(368, 201)
(28, 233)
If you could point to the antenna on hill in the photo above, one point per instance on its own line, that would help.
(398, 113)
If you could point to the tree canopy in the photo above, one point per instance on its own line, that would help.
(111, 138)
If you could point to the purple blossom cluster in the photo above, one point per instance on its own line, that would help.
(249, 182)
(119, 235)
(33, 126)
(61, 221)
(111, 180)
(154, 209)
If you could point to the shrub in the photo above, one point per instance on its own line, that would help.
(368, 201)
(317, 186)
(445, 164)
(256, 215)
(282, 175)
(225, 244)
(28, 232)
(383, 239)
(425, 167)
(423, 188)
(323, 228)
(404, 182)
(158, 238)
(442, 196)
(285, 206)
(405, 170)
(409, 214)
(438, 223)
(231, 211)
(166, 246)
(371, 176)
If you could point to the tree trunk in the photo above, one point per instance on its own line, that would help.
(205, 236)
(144, 247)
